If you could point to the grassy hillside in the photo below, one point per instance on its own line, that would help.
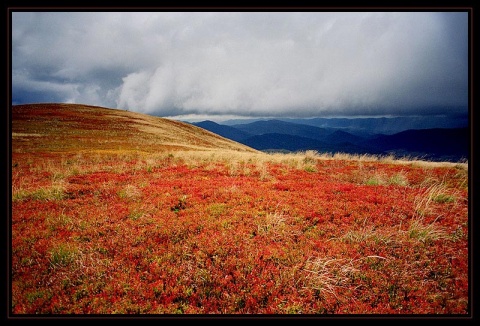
(74, 127)
(115, 212)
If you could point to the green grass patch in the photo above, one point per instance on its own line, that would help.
(62, 255)
(44, 194)
(443, 198)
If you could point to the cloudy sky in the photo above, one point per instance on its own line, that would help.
(250, 64)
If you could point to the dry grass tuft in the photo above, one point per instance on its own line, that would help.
(425, 232)
(329, 275)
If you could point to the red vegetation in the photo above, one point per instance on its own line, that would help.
(135, 234)
(179, 239)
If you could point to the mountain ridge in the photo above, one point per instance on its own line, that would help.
(437, 144)
(371, 125)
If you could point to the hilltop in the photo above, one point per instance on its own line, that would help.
(55, 127)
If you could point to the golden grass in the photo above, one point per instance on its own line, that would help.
(74, 127)
(302, 159)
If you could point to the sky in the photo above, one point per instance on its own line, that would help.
(199, 65)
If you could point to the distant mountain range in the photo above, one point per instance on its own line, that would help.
(434, 139)
(370, 126)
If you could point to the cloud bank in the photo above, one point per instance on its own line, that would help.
(300, 64)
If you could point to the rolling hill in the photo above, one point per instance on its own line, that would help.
(282, 127)
(54, 127)
(223, 130)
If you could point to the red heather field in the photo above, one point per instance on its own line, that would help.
(115, 212)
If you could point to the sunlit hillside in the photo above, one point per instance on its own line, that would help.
(81, 128)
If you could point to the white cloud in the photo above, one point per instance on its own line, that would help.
(311, 63)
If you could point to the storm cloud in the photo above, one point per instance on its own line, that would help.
(252, 64)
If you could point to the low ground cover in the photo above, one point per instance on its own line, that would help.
(220, 232)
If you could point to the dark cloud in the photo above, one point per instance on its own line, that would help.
(249, 64)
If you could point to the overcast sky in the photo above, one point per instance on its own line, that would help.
(252, 64)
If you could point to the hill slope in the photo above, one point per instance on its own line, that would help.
(73, 127)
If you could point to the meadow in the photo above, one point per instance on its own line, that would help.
(115, 216)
